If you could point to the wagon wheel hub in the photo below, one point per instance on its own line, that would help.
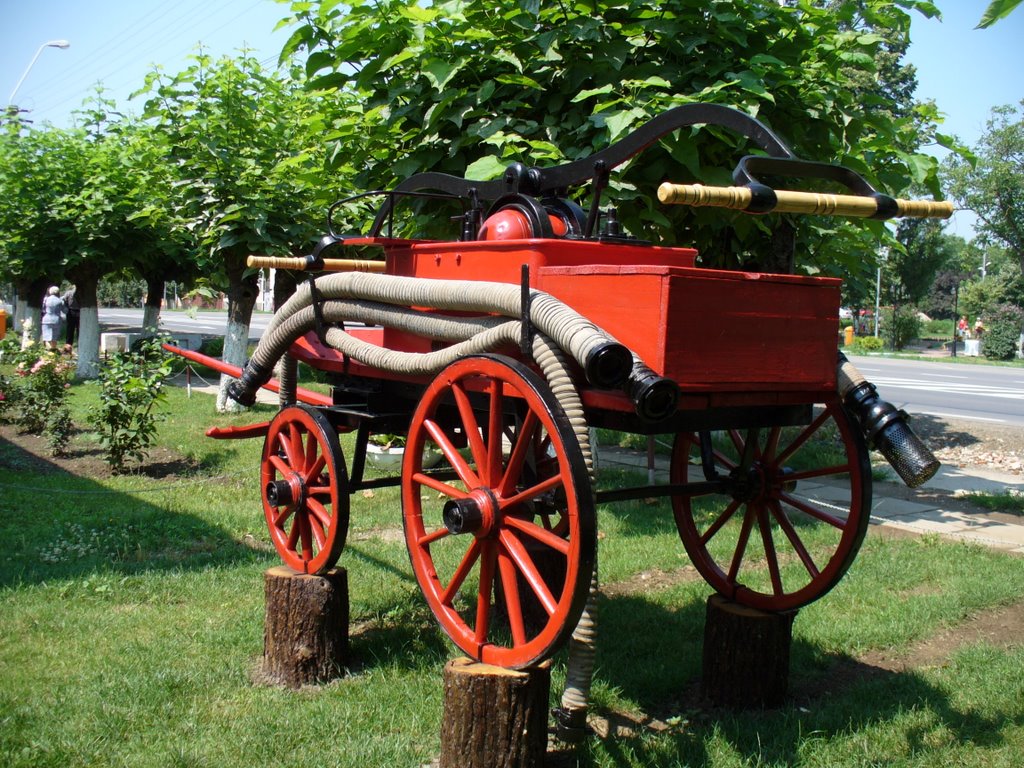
(477, 513)
(748, 484)
(289, 490)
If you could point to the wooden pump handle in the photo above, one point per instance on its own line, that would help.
(300, 263)
(814, 203)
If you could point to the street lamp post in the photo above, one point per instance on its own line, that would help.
(956, 314)
(51, 44)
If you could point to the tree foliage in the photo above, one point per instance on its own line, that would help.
(245, 145)
(469, 87)
(991, 184)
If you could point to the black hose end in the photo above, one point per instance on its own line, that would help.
(240, 393)
(608, 365)
(570, 724)
(886, 429)
(907, 454)
(654, 397)
(243, 389)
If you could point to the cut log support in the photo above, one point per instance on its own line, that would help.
(305, 634)
(494, 717)
(746, 655)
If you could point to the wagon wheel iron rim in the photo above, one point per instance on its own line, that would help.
(304, 489)
(791, 518)
(521, 494)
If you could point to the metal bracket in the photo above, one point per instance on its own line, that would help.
(525, 326)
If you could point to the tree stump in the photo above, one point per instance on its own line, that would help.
(494, 717)
(305, 631)
(746, 655)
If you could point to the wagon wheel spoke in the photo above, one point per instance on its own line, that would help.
(513, 606)
(741, 545)
(524, 563)
(794, 538)
(469, 425)
(488, 557)
(724, 518)
(520, 450)
(540, 534)
(496, 417)
(768, 542)
(465, 566)
(532, 493)
(451, 453)
(439, 485)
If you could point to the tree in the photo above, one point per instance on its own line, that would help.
(469, 87)
(924, 250)
(991, 184)
(38, 169)
(245, 143)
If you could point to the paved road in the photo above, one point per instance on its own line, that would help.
(212, 323)
(979, 392)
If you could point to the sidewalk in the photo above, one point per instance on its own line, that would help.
(930, 509)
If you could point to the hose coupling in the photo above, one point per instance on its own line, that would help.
(570, 724)
(608, 365)
(243, 389)
(655, 398)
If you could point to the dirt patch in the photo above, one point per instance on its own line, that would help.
(1000, 627)
(84, 458)
(654, 579)
(965, 443)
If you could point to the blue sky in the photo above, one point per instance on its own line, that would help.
(966, 71)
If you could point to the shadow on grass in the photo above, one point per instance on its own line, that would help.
(650, 655)
(59, 525)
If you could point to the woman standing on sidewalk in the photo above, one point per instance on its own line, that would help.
(52, 307)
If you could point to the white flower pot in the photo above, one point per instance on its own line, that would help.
(390, 459)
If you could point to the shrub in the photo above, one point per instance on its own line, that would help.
(212, 347)
(1002, 334)
(131, 385)
(901, 325)
(41, 398)
(867, 344)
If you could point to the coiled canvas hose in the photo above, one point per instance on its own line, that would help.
(385, 300)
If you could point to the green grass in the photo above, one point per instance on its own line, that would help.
(131, 614)
(1012, 503)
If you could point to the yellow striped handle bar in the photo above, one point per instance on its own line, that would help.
(301, 263)
(813, 203)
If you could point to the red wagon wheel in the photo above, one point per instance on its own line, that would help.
(788, 514)
(518, 519)
(303, 476)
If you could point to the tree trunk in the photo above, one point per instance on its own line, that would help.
(30, 306)
(494, 717)
(88, 328)
(154, 298)
(305, 631)
(746, 655)
(241, 300)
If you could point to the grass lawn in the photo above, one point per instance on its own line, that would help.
(131, 625)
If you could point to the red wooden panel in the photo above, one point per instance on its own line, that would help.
(711, 329)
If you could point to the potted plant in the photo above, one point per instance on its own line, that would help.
(385, 451)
